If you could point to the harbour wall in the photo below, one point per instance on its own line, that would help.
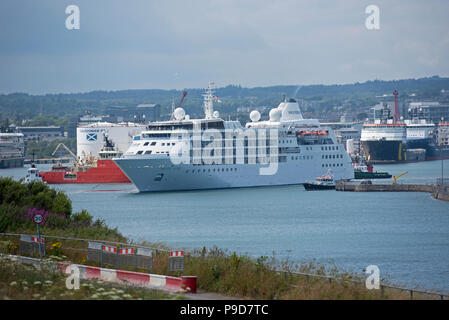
(385, 187)
(438, 192)
(441, 193)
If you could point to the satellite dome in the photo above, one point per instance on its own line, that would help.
(216, 114)
(254, 116)
(179, 113)
(275, 115)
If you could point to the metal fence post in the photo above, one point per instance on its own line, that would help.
(101, 254)
(411, 294)
(117, 258)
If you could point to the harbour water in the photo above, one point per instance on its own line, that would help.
(405, 234)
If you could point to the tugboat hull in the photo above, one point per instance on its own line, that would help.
(313, 187)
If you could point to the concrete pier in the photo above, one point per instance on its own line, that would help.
(384, 187)
(441, 193)
(438, 192)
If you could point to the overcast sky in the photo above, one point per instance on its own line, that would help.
(139, 44)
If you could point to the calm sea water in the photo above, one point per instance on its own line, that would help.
(405, 234)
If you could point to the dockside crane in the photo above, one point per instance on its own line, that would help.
(66, 148)
(399, 175)
(184, 93)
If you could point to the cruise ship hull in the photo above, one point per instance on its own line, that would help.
(152, 175)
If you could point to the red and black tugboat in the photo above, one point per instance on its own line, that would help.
(324, 182)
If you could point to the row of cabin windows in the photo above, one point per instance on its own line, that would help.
(332, 165)
(212, 170)
(332, 156)
(302, 158)
(330, 148)
(153, 143)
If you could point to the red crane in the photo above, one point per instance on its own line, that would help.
(182, 99)
(396, 107)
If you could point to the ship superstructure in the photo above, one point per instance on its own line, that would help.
(211, 153)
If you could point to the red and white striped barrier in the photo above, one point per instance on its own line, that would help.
(155, 281)
(36, 239)
(109, 249)
(127, 251)
(176, 253)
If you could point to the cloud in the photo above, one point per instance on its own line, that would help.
(177, 44)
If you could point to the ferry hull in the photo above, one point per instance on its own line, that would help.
(396, 151)
(390, 150)
(106, 171)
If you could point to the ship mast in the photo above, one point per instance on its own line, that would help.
(209, 101)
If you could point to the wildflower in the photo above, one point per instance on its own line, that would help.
(13, 284)
(24, 283)
(120, 291)
(25, 288)
(115, 297)
(95, 296)
(37, 283)
(48, 283)
(100, 289)
(36, 295)
(127, 296)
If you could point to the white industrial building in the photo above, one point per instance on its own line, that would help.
(90, 137)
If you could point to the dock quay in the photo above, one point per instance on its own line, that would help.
(385, 187)
(440, 192)
(49, 160)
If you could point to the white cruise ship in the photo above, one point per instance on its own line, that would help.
(211, 153)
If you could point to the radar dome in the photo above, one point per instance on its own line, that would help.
(187, 117)
(216, 114)
(179, 113)
(275, 115)
(254, 115)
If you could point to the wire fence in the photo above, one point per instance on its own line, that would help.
(412, 292)
(130, 256)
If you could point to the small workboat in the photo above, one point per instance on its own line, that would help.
(32, 174)
(325, 182)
